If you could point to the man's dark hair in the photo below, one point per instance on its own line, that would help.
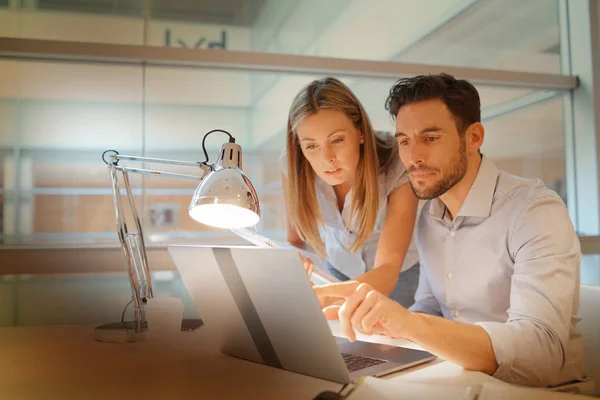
(461, 97)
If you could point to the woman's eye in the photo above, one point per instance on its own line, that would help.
(310, 147)
(339, 140)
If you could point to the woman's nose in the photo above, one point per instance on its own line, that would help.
(328, 155)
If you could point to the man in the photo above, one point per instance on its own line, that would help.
(499, 285)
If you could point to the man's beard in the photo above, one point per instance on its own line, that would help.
(455, 172)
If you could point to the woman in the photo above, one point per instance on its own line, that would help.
(346, 191)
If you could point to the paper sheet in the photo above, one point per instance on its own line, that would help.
(320, 271)
(388, 389)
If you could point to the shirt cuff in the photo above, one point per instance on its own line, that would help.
(501, 341)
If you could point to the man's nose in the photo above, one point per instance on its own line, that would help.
(416, 154)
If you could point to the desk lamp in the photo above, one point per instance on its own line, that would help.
(225, 198)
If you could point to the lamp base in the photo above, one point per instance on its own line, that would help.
(120, 332)
(191, 324)
(123, 332)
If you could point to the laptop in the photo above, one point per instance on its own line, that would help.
(257, 304)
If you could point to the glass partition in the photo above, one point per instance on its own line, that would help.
(500, 34)
(62, 116)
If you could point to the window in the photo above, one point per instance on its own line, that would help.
(60, 117)
(500, 34)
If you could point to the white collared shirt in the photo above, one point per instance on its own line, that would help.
(508, 262)
(338, 235)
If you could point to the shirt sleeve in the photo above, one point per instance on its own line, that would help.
(425, 301)
(530, 347)
(395, 176)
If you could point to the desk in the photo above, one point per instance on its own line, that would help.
(64, 362)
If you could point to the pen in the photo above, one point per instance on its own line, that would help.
(348, 389)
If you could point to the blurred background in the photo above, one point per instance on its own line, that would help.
(57, 228)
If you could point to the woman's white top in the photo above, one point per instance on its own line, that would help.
(338, 233)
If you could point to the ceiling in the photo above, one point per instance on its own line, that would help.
(229, 12)
(492, 34)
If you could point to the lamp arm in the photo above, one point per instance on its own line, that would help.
(132, 246)
(205, 169)
(132, 242)
(116, 157)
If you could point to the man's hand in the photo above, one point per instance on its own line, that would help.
(369, 311)
(363, 309)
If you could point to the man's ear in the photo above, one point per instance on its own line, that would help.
(475, 134)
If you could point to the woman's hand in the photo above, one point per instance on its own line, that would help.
(324, 301)
(309, 266)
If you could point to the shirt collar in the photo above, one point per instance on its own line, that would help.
(478, 202)
(437, 208)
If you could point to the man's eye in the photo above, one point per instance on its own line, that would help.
(431, 138)
(403, 143)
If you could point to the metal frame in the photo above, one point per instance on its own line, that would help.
(580, 55)
(63, 51)
(519, 103)
(565, 60)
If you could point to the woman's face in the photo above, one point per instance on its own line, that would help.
(331, 144)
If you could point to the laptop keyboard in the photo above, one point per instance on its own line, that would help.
(354, 362)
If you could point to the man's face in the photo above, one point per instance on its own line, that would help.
(430, 148)
(331, 144)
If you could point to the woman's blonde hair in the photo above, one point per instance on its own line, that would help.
(376, 154)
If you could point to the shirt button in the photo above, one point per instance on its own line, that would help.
(452, 233)
(449, 275)
(456, 314)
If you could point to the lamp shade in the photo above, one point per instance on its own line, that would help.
(225, 198)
